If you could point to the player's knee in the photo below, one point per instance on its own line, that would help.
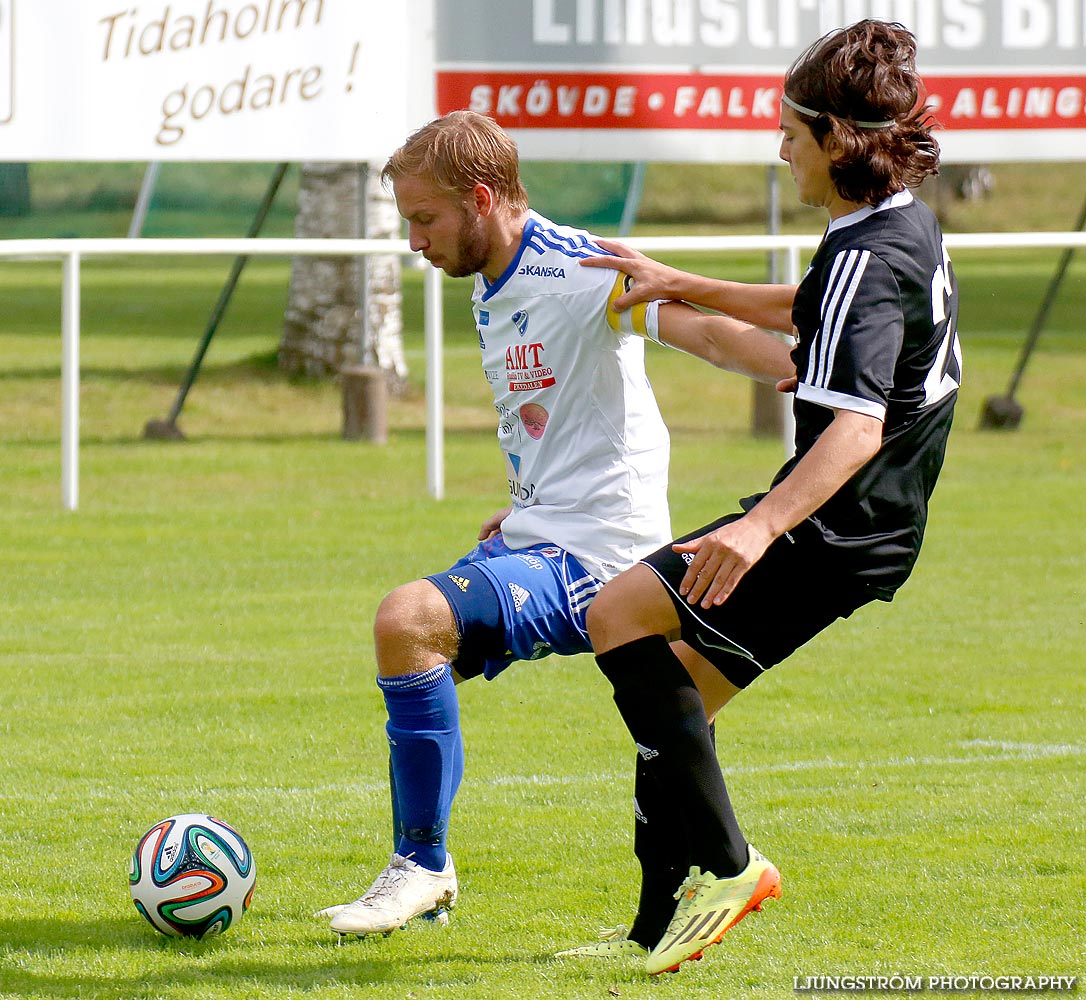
(631, 605)
(607, 615)
(413, 623)
(394, 621)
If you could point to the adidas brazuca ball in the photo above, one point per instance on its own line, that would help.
(192, 876)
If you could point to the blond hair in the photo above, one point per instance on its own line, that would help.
(458, 151)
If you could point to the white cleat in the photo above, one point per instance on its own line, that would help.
(403, 891)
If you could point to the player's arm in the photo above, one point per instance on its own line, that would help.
(722, 557)
(725, 342)
(765, 306)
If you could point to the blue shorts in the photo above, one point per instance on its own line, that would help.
(516, 604)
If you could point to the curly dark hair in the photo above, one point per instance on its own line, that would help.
(860, 84)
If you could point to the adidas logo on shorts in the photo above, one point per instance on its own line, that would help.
(460, 582)
(520, 596)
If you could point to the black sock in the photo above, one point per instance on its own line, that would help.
(660, 846)
(663, 850)
(665, 715)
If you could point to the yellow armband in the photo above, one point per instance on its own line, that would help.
(634, 319)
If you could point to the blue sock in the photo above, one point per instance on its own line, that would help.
(427, 759)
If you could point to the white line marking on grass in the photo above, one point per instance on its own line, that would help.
(1028, 750)
(1007, 752)
(991, 751)
(551, 780)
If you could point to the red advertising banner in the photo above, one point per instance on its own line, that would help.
(613, 100)
(685, 80)
(623, 100)
(1008, 102)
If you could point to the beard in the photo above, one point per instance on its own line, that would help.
(473, 248)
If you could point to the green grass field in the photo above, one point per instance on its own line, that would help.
(197, 637)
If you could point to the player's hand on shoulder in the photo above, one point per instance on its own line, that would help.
(649, 279)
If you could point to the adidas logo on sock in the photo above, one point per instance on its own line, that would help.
(520, 596)
(647, 753)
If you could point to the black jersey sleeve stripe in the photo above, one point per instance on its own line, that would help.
(817, 373)
(846, 273)
(858, 264)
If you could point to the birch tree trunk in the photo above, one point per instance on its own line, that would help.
(383, 344)
(344, 311)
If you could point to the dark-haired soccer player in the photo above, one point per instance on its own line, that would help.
(878, 366)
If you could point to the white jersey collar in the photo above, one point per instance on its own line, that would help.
(899, 200)
(533, 223)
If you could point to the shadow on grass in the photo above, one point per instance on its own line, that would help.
(127, 959)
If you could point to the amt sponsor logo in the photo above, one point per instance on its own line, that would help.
(521, 357)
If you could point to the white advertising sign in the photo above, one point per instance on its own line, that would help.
(700, 79)
(7, 60)
(211, 79)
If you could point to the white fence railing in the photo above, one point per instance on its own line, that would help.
(71, 252)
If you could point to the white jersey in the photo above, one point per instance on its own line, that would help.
(585, 446)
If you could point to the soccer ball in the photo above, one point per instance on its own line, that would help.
(192, 876)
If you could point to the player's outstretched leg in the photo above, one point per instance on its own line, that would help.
(427, 764)
(424, 738)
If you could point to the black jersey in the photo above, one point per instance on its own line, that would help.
(876, 314)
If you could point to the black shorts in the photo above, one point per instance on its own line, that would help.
(785, 599)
